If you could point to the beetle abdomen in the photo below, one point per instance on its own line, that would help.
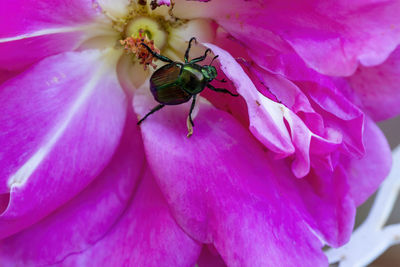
(163, 86)
(171, 95)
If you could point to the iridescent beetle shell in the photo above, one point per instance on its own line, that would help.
(177, 83)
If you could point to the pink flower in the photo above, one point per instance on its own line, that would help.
(267, 179)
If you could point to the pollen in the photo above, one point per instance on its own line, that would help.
(133, 45)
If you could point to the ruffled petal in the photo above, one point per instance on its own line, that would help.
(31, 30)
(60, 123)
(343, 32)
(265, 115)
(327, 105)
(222, 189)
(146, 235)
(333, 218)
(85, 220)
(378, 87)
(366, 174)
(275, 125)
(338, 114)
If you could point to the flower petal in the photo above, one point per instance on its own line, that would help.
(31, 30)
(366, 174)
(265, 115)
(222, 189)
(378, 87)
(344, 32)
(268, 118)
(60, 123)
(5, 75)
(84, 220)
(331, 99)
(27, 16)
(116, 8)
(333, 218)
(210, 257)
(146, 235)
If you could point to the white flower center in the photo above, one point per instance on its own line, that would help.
(150, 27)
(135, 23)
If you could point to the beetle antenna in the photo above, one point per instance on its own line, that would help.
(213, 60)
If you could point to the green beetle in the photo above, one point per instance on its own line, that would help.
(177, 83)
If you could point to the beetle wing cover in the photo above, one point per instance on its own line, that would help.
(165, 75)
(164, 88)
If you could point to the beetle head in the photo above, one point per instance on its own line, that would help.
(209, 72)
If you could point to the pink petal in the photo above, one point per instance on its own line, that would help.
(31, 30)
(209, 257)
(84, 220)
(338, 113)
(366, 174)
(14, 55)
(378, 87)
(268, 118)
(328, 97)
(333, 218)
(61, 121)
(146, 235)
(26, 16)
(162, 2)
(343, 32)
(5, 75)
(222, 189)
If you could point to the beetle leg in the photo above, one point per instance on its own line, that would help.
(181, 65)
(191, 109)
(151, 112)
(221, 90)
(198, 59)
(188, 49)
(158, 56)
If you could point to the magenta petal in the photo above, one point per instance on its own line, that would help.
(31, 30)
(266, 116)
(378, 87)
(146, 235)
(5, 75)
(60, 121)
(27, 16)
(87, 218)
(338, 113)
(15, 56)
(209, 257)
(333, 218)
(344, 32)
(275, 125)
(366, 174)
(222, 189)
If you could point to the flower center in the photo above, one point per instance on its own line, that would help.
(150, 28)
(156, 25)
(144, 27)
(136, 46)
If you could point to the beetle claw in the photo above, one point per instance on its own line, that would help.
(189, 127)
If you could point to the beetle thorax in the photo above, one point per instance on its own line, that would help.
(192, 79)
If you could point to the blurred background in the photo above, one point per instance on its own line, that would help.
(391, 258)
